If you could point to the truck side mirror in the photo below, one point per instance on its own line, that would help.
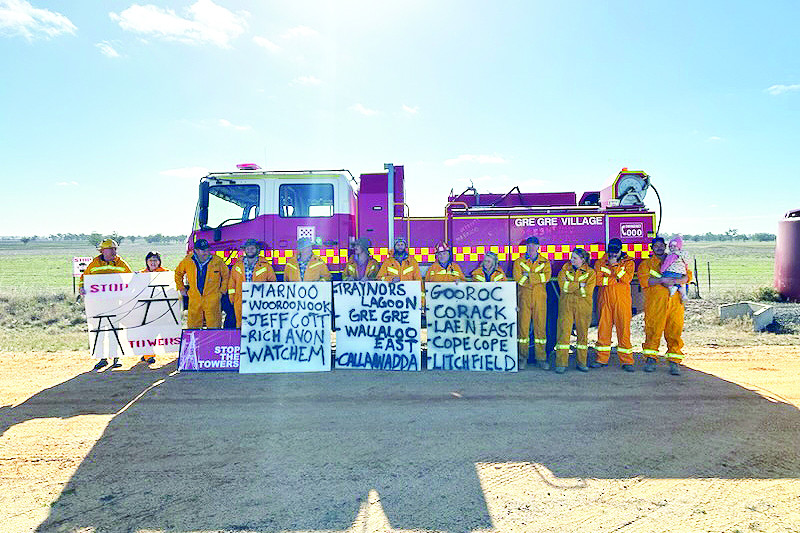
(202, 215)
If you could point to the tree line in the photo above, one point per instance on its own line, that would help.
(95, 238)
(730, 235)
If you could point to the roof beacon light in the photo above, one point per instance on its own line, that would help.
(247, 166)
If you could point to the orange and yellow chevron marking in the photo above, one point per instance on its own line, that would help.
(334, 256)
(423, 255)
(379, 254)
(470, 254)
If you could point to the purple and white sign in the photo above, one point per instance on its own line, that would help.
(209, 350)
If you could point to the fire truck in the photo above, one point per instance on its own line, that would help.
(333, 208)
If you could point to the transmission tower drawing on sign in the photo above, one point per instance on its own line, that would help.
(112, 327)
(189, 354)
(154, 287)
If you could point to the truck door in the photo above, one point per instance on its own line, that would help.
(307, 209)
(233, 215)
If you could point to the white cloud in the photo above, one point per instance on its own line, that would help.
(185, 173)
(359, 108)
(107, 50)
(299, 32)
(67, 183)
(204, 23)
(714, 138)
(228, 124)
(18, 17)
(306, 80)
(265, 43)
(410, 110)
(775, 90)
(473, 158)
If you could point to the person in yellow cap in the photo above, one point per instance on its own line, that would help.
(306, 266)
(251, 267)
(444, 268)
(400, 265)
(207, 277)
(488, 269)
(108, 262)
(532, 271)
(361, 266)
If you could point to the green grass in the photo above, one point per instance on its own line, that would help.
(38, 308)
(738, 270)
(47, 266)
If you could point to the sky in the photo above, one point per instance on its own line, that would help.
(111, 111)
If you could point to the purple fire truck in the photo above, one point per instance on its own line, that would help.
(333, 208)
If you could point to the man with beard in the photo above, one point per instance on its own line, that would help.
(249, 267)
(663, 313)
(400, 266)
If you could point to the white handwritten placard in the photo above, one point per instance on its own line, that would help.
(286, 327)
(472, 326)
(377, 325)
(132, 314)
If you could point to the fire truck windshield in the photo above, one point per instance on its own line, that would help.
(232, 203)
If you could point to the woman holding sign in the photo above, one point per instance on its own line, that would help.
(152, 263)
(488, 270)
(444, 269)
(577, 281)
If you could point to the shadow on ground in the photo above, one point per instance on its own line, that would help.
(224, 452)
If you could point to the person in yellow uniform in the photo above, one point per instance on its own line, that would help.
(532, 272)
(152, 263)
(488, 269)
(400, 265)
(663, 314)
(306, 266)
(361, 266)
(108, 262)
(249, 267)
(206, 276)
(577, 281)
(614, 272)
(444, 268)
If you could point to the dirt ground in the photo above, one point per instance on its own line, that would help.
(150, 450)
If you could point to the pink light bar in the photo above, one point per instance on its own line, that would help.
(247, 166)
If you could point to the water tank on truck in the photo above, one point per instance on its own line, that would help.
(787, 256)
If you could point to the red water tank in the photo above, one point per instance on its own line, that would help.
(787, 256)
